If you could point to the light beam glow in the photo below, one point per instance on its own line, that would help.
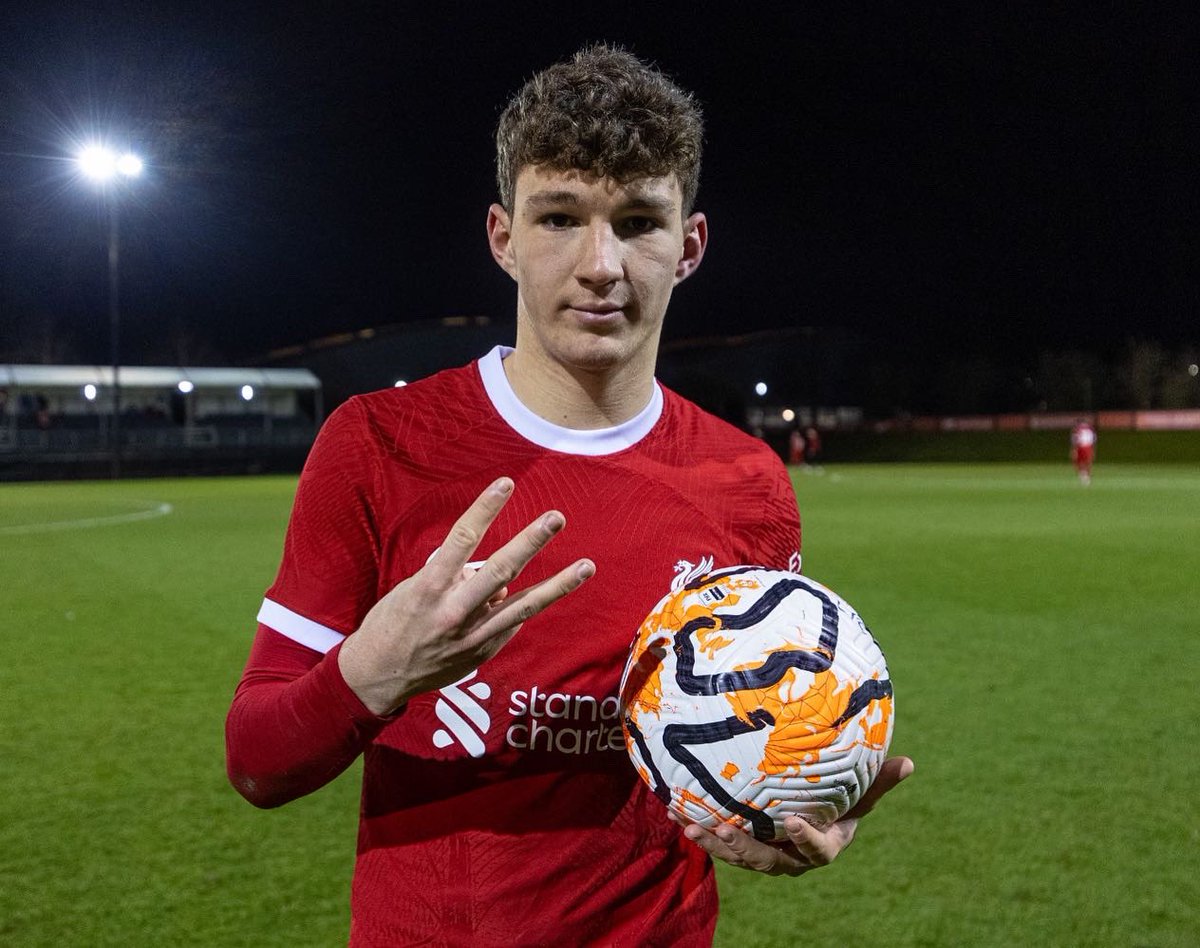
(103, 164)
(97, 162)
(129, 165)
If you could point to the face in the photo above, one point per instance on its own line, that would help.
(595, 262)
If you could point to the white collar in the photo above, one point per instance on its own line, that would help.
(591, 442)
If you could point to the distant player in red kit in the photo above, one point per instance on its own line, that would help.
(796, 446)
(812, 446)
(406, 622)
(1083, 450)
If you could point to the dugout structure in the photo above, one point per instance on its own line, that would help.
(57, 420)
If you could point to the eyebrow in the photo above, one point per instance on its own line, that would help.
(650, 202)
(639, 202)
(548, 198)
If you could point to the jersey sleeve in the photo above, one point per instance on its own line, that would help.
(294, 723)
(777, 535)
(329, 575)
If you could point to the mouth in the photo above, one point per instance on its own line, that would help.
(602, 321)
(596, 312)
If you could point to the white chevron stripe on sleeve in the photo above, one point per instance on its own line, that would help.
(296, 627)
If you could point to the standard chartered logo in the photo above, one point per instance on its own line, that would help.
(543, 721)
(566, 723)
(466, 720)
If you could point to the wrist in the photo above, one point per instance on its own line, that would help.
(379, 695)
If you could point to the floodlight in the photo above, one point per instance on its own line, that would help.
(400, 383)
(129, 165)
(247, 392)
(1193, 370)
(97, 163)
(101, 165)
(89, 392)
(789, 415)
(185, 386)
(760, 388)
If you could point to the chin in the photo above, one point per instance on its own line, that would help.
(595, 350)
(595, 355)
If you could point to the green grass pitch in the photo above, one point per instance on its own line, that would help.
(1042, 637)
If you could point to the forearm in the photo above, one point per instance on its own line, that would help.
(294, 724)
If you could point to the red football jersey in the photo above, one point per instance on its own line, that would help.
(501, 810)
(1083, 436)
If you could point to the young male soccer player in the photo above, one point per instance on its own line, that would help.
(406, 623)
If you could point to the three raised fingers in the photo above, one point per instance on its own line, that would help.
(447, 563)
(508, 615)
(482, 592)
(505, 565)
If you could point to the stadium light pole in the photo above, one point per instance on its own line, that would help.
(107, 168)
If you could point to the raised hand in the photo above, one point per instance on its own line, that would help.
(447, 619)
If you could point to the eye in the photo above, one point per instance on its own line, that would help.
(640, 225)
(557, 221)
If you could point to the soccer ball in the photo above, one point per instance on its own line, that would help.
(752, 694)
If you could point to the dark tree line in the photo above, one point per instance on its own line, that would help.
(1137, 374)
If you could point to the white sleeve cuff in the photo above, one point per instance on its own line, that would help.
(296, 627)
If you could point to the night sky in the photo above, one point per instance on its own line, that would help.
(960, 178)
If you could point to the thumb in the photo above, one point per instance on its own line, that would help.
(893, 771)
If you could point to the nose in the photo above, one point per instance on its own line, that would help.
(599, 256)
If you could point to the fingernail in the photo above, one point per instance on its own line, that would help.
(503, 487)
(585, 570)
(552, 522)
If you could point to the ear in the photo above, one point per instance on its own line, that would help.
(499, 232)
(695, 239)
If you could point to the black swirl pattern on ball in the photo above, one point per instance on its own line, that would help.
(776, 664)
(677, 737)
(870, 690)
(657, 784)
(721, 574)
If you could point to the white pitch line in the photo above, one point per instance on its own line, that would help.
(158, 510)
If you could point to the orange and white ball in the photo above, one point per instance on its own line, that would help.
(752, 694)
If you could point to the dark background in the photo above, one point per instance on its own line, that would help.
(958, 185)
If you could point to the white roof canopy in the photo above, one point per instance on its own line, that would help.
(154, 377)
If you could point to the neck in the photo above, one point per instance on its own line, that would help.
(580, 398)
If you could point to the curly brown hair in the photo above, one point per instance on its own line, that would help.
(605, 112)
